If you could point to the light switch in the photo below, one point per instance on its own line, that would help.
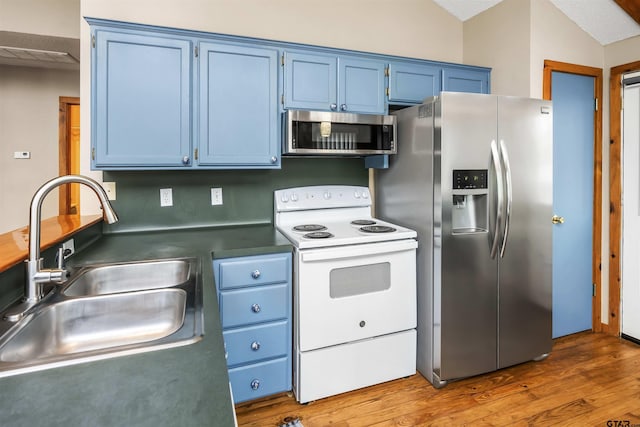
(110, 188)
(216, 196)
(166, 197)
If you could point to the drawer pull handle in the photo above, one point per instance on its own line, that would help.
(255, 308)
(255, 346)
(255, 384)
(255, 274)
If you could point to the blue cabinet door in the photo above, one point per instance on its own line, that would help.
(310, 81)
(361, 86)
(141, 113)
(238, 106)
(412, 83)
(465, 80)
(331, 83)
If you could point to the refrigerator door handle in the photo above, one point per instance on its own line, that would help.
(497, 166)
(509, 196)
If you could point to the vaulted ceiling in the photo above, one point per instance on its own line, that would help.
(607, 21)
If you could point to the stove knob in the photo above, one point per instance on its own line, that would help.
(284, 198)
(294, 197)
(327, 195)
(365, 195)
(356, 194)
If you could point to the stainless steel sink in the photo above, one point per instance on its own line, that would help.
(106, 311)
(128, 277)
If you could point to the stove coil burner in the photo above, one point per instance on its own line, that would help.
(363, 222)
(377, 229)
(318, 235)
(309, 227)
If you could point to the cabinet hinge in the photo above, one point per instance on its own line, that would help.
(387, 90)
(93, 153)
(595, 104)
(93, 40)
(386, 72)
(196, 51)
(196, 154)
(594, 289)
(282, 99)
(282, 60)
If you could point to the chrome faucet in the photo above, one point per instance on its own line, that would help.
(36, 275)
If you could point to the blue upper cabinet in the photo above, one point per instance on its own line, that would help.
(465, 80)
(141, 107)
(361, 85)
(333, 83)
(238, 106)
(411, 83)
(311, 81)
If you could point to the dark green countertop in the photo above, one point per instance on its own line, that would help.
(183, 386)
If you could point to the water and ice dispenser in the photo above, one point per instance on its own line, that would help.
(469, 211)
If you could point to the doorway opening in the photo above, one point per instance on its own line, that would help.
(615, 186)
(549, 68)
(69, 153)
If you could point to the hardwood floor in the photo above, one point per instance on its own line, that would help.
(588, 380)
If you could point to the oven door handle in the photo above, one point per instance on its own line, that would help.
(355, 251)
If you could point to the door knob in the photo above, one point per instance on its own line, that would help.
(557, 219)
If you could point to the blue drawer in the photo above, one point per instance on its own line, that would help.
(257, 342)
(253, 305)
(260, 379)
(257, 270)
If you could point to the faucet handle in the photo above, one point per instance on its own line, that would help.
(60, 258)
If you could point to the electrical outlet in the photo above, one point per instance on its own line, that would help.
(166, 197)
(110, 188)
(216, 196)
(68, 248)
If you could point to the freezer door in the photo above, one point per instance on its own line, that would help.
(525, 137)
(465, 275)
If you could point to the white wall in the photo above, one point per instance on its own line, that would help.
(499, 38)
(29, 108)
(29, 99)
(416, 28)
(45, 17)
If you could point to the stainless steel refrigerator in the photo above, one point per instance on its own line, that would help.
(473, 176)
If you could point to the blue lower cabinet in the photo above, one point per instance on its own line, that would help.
(253, 343)
(254, 296)
(260, 379)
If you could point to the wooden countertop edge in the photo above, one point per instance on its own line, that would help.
(14, 245)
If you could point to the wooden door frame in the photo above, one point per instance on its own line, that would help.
(615, 191)
(64, 151)
(596, 262)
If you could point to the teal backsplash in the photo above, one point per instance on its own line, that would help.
(247, 194)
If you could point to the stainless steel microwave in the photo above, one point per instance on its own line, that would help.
(338, 134)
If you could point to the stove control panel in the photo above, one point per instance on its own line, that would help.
(321, 197)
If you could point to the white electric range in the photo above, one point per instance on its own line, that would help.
(354, 287)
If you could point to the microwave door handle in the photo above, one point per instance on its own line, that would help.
(497, 168)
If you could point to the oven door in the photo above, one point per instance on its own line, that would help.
(354, 292)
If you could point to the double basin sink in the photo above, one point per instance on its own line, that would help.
(106, 311)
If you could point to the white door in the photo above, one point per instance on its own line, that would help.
(631, 209)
